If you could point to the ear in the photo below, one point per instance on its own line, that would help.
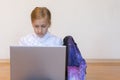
(48, 25)
(32, 24)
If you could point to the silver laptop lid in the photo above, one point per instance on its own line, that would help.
(40, 63)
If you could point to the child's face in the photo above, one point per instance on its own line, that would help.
(40, 27)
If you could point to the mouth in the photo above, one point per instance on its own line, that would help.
(40, 34)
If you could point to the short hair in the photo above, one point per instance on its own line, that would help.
(41, 12)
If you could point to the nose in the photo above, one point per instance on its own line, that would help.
(40, 30)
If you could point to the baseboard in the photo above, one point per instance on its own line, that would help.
(87, 60)
(103, 60)
(4, 60)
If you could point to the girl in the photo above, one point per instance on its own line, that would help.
(41, 21)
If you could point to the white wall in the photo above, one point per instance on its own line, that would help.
(95, 24)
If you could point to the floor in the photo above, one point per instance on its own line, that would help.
(95, 71)
(103, 71)
(4, 71)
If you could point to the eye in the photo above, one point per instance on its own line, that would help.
(36, 26)
(43, 26)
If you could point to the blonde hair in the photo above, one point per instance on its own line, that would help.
(41, 12)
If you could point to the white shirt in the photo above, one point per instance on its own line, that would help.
(34, 40)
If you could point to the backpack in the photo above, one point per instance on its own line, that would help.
(76, 64)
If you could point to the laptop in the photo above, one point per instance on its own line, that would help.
(38, 63)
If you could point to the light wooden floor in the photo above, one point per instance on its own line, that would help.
(4, 71)
(95, 71)
(103, 71)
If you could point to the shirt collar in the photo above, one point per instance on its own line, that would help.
(41, 39)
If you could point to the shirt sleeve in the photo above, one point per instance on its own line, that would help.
(22, 42)
(59, 42)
